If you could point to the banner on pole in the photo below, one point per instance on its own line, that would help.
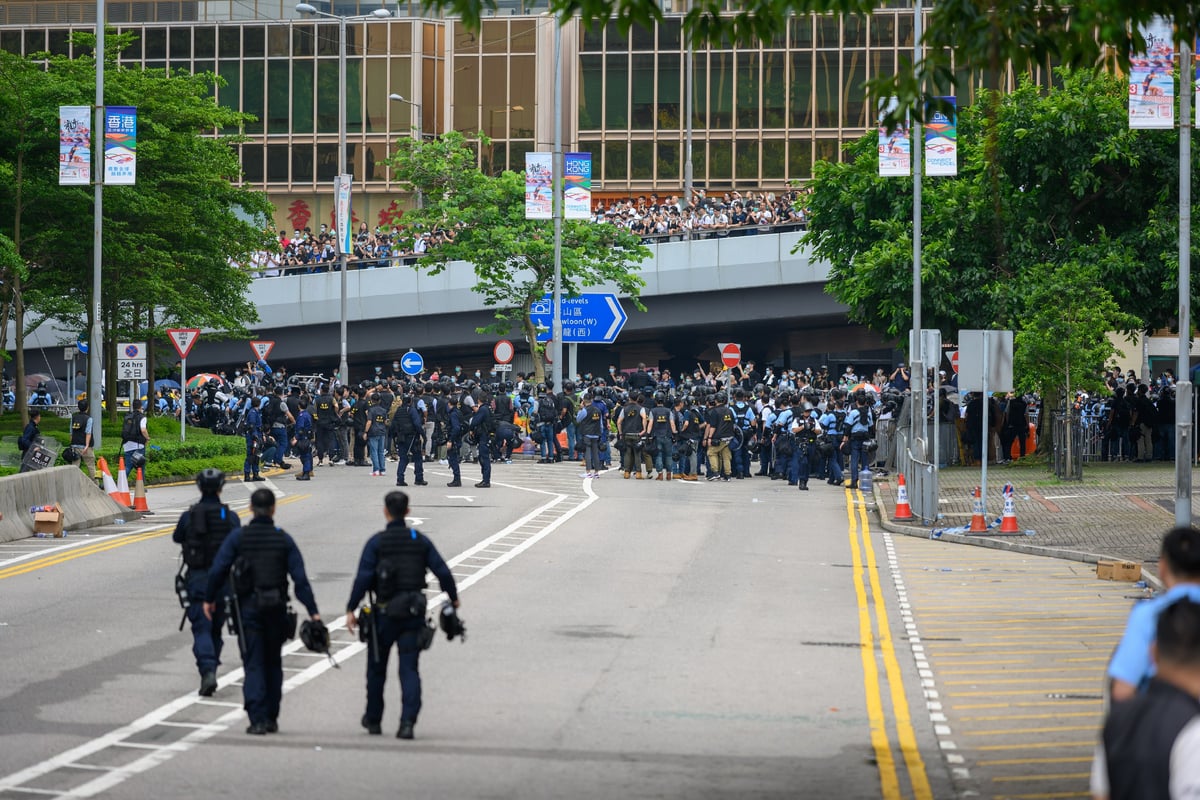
(341, 200)
(941, 140)
(895, 148)
(577, 186)
(539, 185)
(120, 145)
(1152, 78)
(1196, 77)
(74, 146)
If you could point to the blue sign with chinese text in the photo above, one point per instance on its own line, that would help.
(594, 318)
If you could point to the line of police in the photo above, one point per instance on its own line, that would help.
(238, 575)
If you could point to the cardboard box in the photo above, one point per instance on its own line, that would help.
(49, 522)
(1119, 571)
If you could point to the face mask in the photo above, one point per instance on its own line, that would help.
(395, 365)
(476, 373)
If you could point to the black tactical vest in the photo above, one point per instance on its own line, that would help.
(1138, 737)
(661, 417)
(208, 526)
(79, 423)
(632, 421)
(402, 424)
(323, 410)
(265, 549)
(402, 556)
(590, 426)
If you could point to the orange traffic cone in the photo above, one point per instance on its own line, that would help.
(903, 509)
(1008, 520)
(139, 495)
(978, 523)
(110, 486)
(122, 484)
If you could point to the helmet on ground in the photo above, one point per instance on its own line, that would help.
(210, 479)
(315, 635)
(451, 624)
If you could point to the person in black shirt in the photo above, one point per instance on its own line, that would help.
(718, 433)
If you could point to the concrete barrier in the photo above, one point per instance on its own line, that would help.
(84, 504)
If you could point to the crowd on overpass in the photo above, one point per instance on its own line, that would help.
(654, 218)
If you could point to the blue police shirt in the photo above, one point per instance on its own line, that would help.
(1132, 662)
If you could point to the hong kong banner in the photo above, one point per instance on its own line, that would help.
(120, 145)
(74, 146)
(1152, 78)
(895, 148)
(577, 186)
(539, 186)
(941, 139)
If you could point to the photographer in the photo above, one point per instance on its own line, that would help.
(804, 434)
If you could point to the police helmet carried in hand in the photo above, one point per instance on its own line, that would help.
(451, 624)
(315, 635)
(210, 479)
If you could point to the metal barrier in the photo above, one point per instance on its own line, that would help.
(919, 475)
(1070, 446)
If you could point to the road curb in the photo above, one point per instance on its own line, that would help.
(999, 544)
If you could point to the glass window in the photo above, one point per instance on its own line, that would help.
(699, 163)
(523, 38)
(774, 90)
(494, 95)
(376, 92)
(593, 38)
(827, 31)
(252, 163)
(495, 36)
(354, 89)
(643, 107)
(668, 161)
(354, 165)
(522, 91)
(774, 155)
(883, 62)
(278, 95)
(231, 41)
(516, 155)
(854, 99)
(377, 38)
(253, 74)
(721, 76)
(327, 39)
(799, 159)
(747, 90)
(302, 98)
(883, 30)
(826, 150)
(229, 94)
(304, 42)
(800, 91)
(825, 77)
(402, 119)
(465, 39)
(373, 170)
(643, 38)
(642, 161)
(853, 31)
(904, 31)
(670, 34)
(591, 91)
(747, 162)
(720, 159)
(206, 42)
(699, 91)
(802, 31)
(327, 162)
(616, 94)
(10, 41)
(327, 97)
(279, 41)
(181, 42)
(59, 43)
(302, 163)
(669, 95)
(156, 43)
(401, 41)
(34, 41)
(616, 41)
(616, 161)
(254, 41)
(277, 163)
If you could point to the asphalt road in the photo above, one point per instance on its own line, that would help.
(625, 639)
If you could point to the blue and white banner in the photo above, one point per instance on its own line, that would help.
(120, 145)
(74, 146)
(577, 186)
(341, 200)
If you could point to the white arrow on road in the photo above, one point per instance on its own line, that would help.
(467, 497)
(414, 521)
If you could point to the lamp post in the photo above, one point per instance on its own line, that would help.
(343, 236)
(419, 135)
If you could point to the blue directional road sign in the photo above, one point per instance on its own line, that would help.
(593, 318)
(412, 363)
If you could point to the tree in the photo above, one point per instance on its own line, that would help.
(484, 220)
(174, 243)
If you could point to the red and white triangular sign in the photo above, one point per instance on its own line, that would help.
(183, 339)
(262, 349)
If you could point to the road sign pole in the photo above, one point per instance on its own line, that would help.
(573, 360)
(183, 399)
(557, 177)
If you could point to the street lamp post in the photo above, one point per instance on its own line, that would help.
(419, 133)
(343, 236)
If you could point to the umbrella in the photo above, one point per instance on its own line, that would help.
(868, 386)
(196, 381)
(159, 385)
(57, 388)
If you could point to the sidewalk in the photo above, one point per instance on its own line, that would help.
(1118, 511)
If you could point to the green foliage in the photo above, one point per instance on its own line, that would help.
(513, 256)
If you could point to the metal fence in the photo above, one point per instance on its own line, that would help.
(920, 477)
(1071, 446)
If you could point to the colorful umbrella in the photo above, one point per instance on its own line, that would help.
(868, 386)
(196, 381)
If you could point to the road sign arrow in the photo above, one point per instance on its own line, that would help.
(619, 317)
(412, 363)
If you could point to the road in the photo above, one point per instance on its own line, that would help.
(625, 638)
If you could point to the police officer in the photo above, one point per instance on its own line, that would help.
(81, 437)
(407, 430)
(454, 434)
(719, 425)
(302, 440)
(744, 416)
(278, 417)
(831, 423)
(804, 433)
(252, 426)
(632, 422)
(269, 556)
(662, 428)
(857, 429)
(325, 417)
(482, 425)
(590, 427)
(201, 531)
(393, 563)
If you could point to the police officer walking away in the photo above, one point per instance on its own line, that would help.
(201, 531)
(266, 556)
(482, 425)
(393, 563)
(407, 430)
(454, 434)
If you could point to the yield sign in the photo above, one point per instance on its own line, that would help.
(183, 339)
(731, 354)
(262, 349)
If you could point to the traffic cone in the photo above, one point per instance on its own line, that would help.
(139, 495)
(110, 486)
(978, 523)
(903, 509)
(122, 484)
(1008, 520)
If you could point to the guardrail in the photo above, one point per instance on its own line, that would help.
(920, 477)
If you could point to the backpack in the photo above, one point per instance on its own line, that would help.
(547, 409)
(1121, 414)
(131, 428)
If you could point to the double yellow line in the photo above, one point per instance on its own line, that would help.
(63, 556)
(862, 552)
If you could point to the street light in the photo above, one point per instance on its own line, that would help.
(420, 132)
(343, 236)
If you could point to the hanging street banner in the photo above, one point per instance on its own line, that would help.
(341, 202)
(941, 140)
(577, 186)
(1196, 74)
(895, 149)
(120, 145)
(74, 146)
(539, 186)
(1152, 78)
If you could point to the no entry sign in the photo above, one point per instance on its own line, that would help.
(731, 354)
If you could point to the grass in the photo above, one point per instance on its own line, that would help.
(168, 459)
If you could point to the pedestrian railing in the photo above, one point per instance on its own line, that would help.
(919, 475)
(1073, 443)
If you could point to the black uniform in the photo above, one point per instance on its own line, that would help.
(201, 531)
(407, 554)
(325, 417)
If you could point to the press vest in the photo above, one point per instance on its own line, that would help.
(661, 417)
(324, 410)
(79, 423)
(406, 554)
(1138, 738)
(266, 549)
(590, 426)
(208, 526)
(632, 421)
(378, 417)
